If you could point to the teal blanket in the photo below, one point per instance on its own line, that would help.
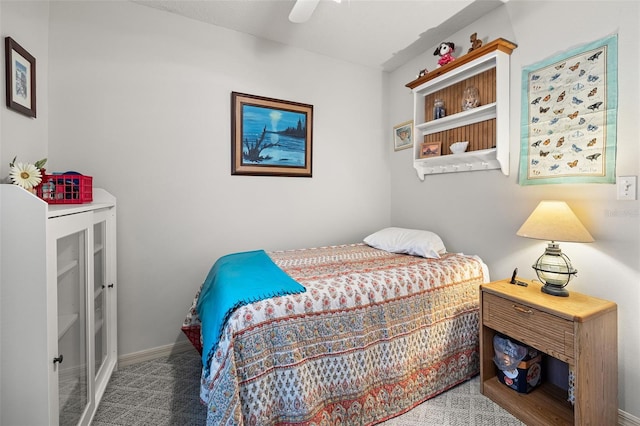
(235, 280)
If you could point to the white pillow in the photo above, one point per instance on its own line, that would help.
(410, 241)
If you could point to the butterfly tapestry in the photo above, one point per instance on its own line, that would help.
(569, 107)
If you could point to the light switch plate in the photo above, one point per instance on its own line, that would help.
(627, 187)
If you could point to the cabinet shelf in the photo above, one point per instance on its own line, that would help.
(65, 322)
(97, 248)
(485, 127)
(67, 267)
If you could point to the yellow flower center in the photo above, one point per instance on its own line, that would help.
(24, 175)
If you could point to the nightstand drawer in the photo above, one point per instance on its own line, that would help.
(546, 332)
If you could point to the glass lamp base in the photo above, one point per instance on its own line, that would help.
(555, 290)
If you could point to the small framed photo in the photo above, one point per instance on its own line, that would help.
(430, 149)
(403, 135)
(21, 78)
(270, 137)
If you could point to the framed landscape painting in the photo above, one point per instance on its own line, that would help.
(270, 137)
(430, 149)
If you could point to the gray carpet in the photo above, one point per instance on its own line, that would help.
(164, 391)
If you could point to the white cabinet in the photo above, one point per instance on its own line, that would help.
(485, 127)
(58, 307)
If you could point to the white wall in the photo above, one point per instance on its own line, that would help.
(140, 99)
(480, 212)
(25, 137)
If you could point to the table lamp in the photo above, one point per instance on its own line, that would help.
(554, 221)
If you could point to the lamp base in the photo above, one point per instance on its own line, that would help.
(554, 290)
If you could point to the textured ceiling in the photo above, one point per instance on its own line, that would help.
(381, 34)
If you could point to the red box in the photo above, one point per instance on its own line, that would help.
(68, 188)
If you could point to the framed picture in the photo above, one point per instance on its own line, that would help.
(430, 149)
(403, 135)
(270, 137)
(21, 78)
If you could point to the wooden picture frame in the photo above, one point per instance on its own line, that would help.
(20, 78)
(270, 137)
(430, 149)
(403, 135)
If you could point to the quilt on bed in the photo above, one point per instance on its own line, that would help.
(374, 335)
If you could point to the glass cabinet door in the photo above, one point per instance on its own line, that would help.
(72, 365)
(100, 287)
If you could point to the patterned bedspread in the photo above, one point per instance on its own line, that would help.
(374, 335)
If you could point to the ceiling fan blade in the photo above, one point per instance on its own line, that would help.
(302, 10)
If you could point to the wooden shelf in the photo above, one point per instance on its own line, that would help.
(499, 44)
(540, 406)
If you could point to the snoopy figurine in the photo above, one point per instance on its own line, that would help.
(445, 50)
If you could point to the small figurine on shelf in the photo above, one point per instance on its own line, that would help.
(445, 51)
(438, 109)
(470, 98)
(476, 43)
(423, 72)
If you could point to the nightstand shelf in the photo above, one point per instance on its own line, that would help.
(578, 330)
(544, 406)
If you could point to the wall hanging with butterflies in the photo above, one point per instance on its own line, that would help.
(569, 112)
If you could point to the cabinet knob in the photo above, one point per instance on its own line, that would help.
(57, 359)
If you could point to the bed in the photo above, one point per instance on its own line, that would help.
(371, 334)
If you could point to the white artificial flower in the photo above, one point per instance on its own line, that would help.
(26, 175)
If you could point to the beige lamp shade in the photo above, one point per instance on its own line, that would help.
(554, 221)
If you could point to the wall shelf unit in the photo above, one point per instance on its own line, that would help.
(486, 127)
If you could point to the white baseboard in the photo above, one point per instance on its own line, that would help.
(626, 419)
(153, 353)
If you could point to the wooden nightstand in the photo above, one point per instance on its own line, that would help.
(578, 330)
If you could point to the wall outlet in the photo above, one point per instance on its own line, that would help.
(627, 187)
